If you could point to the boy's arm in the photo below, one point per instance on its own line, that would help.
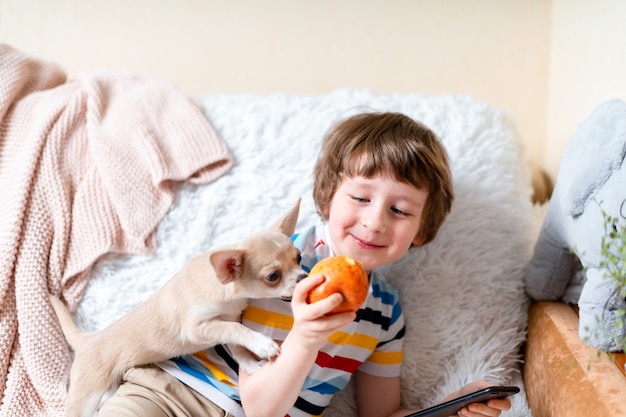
(377, 396)
(274, 388)
(380, 397)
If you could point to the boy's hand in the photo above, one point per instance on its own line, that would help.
(492, 408)
(288, 371)
(312, 326)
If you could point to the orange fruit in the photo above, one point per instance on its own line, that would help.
(343, 275)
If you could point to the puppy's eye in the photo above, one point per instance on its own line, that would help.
(274, 276)
(299, 257)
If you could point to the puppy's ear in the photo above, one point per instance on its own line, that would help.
(287, 223)
(228, 264)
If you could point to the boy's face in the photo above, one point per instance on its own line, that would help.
(375, 220)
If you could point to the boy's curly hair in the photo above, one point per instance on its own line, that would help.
(370, 144)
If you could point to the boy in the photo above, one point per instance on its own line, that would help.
(382, 185)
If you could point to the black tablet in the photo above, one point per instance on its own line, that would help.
(451, 407)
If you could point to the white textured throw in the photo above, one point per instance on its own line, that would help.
(462, 294)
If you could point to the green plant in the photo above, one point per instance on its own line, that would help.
(613, 262)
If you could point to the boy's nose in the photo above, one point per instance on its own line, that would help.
(374, 220)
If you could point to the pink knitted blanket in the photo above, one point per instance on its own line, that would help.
(87, 167)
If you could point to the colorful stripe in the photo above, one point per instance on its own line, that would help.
(356, 339)
(325, 360)
(386, 358)
(267, 318)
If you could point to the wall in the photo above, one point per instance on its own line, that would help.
(587, 66)
(495, 50)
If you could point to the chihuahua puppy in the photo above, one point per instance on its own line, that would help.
(198, 308)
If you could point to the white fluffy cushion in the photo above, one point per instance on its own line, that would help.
(462, 294)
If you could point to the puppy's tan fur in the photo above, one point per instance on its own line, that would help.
(198, 308)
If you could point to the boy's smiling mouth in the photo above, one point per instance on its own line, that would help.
(365, 244)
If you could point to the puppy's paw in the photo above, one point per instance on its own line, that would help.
(264, 347)
(250, 365)
(245, 360)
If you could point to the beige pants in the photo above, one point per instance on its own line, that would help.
(148, 391)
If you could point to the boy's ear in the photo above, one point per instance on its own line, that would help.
(324, 213)
(418, 240)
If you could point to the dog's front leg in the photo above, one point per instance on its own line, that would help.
(213, 332)
(244, 358)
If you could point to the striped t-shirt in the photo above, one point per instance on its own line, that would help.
(372, 343)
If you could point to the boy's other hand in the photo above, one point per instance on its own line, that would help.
(312, 325)
(492, 408)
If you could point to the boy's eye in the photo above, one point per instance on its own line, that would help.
(398, 211)
(360, 199)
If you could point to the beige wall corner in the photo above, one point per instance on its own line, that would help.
(496, 51)
(587, 67)
(547, 63)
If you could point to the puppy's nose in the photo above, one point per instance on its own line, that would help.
(301, 277)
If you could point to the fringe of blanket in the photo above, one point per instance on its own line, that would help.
(87, 167)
